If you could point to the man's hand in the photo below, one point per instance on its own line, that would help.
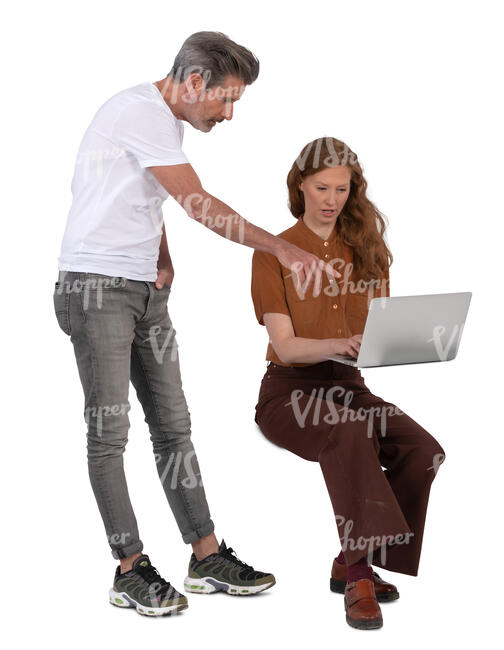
(165, 276)
(305, 267)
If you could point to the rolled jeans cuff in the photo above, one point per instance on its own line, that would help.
(203, 531)
(121, 552)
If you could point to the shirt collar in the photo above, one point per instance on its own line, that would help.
(312, 236)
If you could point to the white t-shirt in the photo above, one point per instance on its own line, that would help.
(115, 222)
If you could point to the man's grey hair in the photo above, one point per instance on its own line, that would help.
(215, 56)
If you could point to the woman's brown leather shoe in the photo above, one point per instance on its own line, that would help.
(385, 591)
(361, 606)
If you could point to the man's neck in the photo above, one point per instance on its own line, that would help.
(169, 91)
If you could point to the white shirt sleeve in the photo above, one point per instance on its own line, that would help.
(147, 131)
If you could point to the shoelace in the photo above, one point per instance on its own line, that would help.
(151, 575)
(230, 554)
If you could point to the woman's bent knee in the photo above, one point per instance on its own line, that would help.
(430, 456)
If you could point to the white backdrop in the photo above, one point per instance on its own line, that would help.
(414, 89)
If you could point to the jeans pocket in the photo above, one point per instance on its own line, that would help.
(61, 299)
(165, 292)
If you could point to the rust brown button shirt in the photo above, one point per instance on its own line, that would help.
(339, 311)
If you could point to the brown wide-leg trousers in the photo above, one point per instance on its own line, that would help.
(326, 413)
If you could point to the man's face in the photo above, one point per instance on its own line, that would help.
(204, 108)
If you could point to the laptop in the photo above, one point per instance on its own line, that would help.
(411, 329)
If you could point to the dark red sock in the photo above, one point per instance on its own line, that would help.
(341, 558)
(359, 570)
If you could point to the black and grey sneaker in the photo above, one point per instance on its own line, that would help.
(223, 571)
(143, 588)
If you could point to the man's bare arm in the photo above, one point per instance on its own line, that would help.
(164, 265)
(182, 182)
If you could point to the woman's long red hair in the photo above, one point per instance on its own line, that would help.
(360, 224)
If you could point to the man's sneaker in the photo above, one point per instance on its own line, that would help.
(143, 588)
(223, 571)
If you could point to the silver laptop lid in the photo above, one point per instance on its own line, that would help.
(413, 329)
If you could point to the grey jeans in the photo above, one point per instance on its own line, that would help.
(121, 330)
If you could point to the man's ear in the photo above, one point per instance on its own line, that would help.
(197, 81)
(195, 84)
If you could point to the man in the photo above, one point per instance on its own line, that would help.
(115, 275)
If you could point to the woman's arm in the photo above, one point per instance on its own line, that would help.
(294, 349)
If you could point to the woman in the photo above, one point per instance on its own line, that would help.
(321, 409)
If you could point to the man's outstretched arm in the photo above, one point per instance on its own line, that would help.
(184, 185)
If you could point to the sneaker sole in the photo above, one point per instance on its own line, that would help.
(121, 599)
(211, 585)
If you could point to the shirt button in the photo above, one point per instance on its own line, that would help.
(339, 331)
(326, 243)
(335, 306)
(326, 255)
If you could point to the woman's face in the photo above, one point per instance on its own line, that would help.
(325, 194)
